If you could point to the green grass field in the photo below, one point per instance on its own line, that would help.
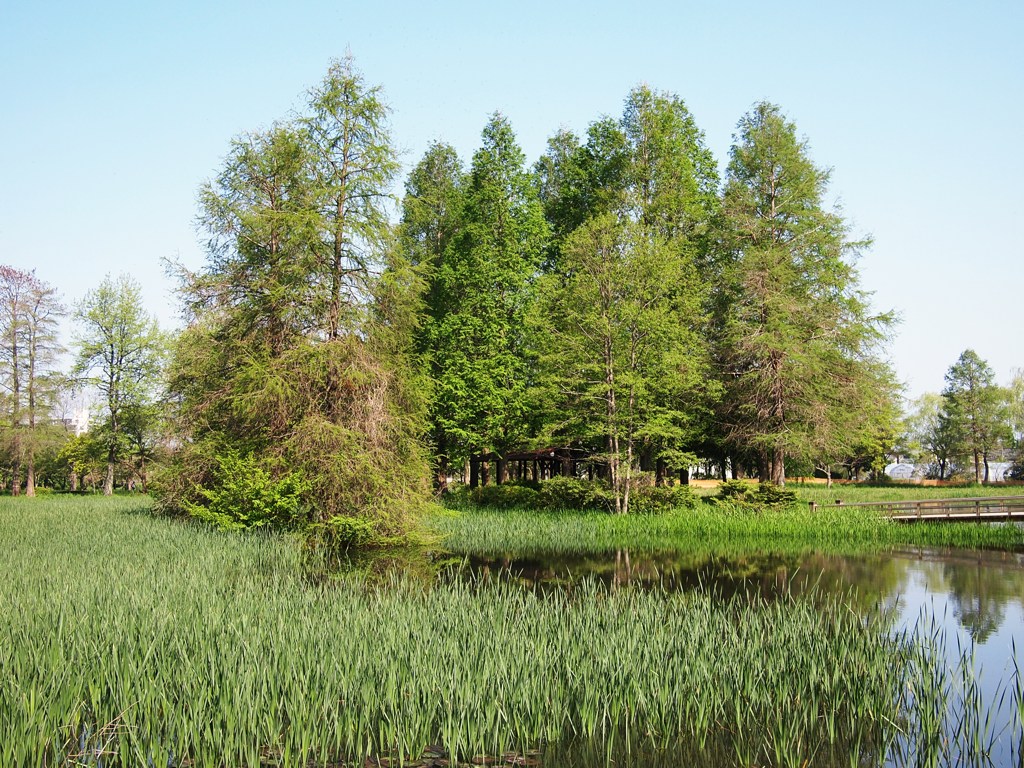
(128, 640)
(851, 494)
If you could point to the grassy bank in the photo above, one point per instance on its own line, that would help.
(715, 528)
(856, 493)
(128, 640)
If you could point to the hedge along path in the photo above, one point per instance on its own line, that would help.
(128, 640)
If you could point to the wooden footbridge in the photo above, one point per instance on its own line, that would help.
(982, 509)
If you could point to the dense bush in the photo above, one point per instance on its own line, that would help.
(760, 495)
(734, 490)
(572, 493)
(342, 533)
(771, 495)
(244, 494)
(650, 500)
(505, 496)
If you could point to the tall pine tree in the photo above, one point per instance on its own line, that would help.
(797, 339)
(481, 358)
(294, 368)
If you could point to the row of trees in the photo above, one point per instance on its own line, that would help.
(118, 354)
(972, 423)
(617, 297)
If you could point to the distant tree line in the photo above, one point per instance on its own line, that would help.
(971, 424)
(617, 297)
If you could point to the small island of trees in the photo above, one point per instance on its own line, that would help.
(615, 312)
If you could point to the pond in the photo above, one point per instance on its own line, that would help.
(969, 603)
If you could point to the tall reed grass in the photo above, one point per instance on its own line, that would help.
(132, 641)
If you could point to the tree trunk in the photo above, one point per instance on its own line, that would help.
(984, 458)
(779, 466)
(30, 476)
(977, 467)
(474, 472)
(502, 471)
(108, 482)
(441, 478)
(485, 472)
(660, 473)
(737, 468)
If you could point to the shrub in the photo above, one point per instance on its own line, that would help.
(771, 495)
(504, 496)
(246, 495)
(652, 500)
(735, 490)
(572, 493)
(341, 532)
(760, 495)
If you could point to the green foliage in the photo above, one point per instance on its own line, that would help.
(432, 217)
(756, 495)
(734, 490)
(505, 496)
(479, 295)
(975, 415)
(246, 494)
(624, 365)
(654, 499)
(120, 352)
(342, 532)
(562, 492)
(771, 495)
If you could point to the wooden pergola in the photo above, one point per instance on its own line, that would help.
(535, 465)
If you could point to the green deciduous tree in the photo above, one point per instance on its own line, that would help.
(432, 219)
(620, 350)
(119, 352)
(976, 410)
(796, 339)
(623, 318)
(352, 166)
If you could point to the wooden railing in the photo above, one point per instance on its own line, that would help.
(980, 508)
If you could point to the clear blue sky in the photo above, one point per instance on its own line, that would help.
(113, 113)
